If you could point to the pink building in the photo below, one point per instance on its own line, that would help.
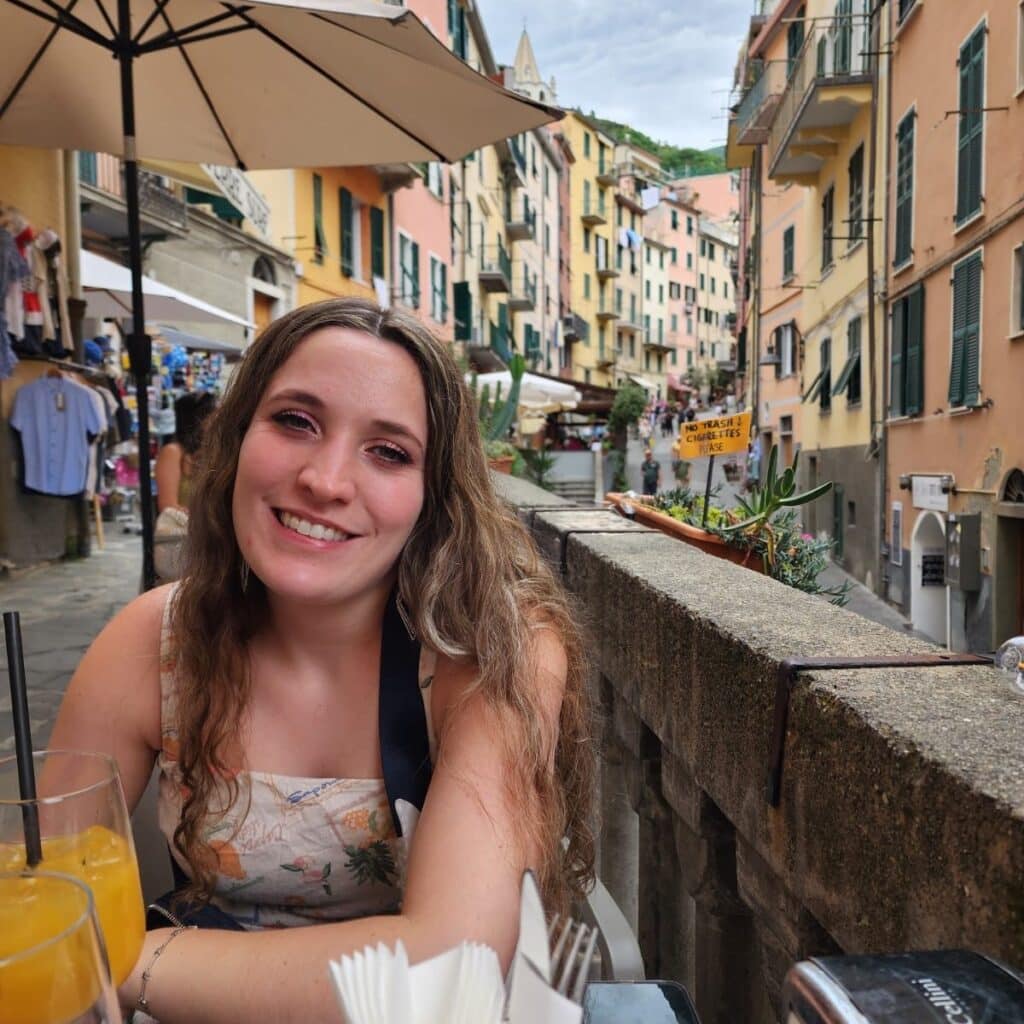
(421, 244)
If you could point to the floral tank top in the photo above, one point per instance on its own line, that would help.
(293, 850)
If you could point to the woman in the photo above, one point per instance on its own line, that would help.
(342, 480)
(175, 464)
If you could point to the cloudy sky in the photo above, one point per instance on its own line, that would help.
(663, 68)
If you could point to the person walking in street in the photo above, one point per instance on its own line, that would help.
(651, 470)
(365, 649)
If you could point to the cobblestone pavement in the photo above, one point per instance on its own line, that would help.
(63, 606)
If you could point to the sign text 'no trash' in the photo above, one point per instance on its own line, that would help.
(719, 435)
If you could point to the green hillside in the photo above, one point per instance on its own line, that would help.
(678, 161)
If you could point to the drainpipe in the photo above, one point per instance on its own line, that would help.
(877, 450)
(886, 339)
(71, 245)
(392, 247)
(754, 356)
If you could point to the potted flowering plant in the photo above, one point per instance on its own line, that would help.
(762, 532)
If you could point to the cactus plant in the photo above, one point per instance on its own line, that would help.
(496, 417)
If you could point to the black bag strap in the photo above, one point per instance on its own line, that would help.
(402, 719)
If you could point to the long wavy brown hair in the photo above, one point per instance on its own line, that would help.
(470, 575)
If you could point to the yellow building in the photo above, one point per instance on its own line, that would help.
(821, 139)
(591, 213)
(334, 220)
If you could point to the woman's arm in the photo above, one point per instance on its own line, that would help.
(168, 476)
(464, 878)
(113, 701)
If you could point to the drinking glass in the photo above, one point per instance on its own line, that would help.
(85, 830)
(53, 967)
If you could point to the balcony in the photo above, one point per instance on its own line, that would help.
(606, 176)
(575, 328)
(830, 85)
(605, 269)
(606, 356)
(605, 311)
(495, 268)
(757, 108)
(633, 321)
(521, 221)
(594, 212)
(523, 293)
(656, 342)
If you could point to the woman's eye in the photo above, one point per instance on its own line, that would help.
(390, 453)
(294, 420)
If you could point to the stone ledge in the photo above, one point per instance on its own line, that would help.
(901, 823)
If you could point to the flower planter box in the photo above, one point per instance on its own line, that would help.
(707, 542)
(502, 465)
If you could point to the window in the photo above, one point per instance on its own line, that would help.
(675, 219)
(533, 159)
(647, 255)
(618, 300)
(409, 261)
(904, 250)
(438, 290)
(661, 259)
(586, 145)
(586, 239)
(970, 137)
(647, 289)
(618, 216)
(849, 377)
(1017, 300)
(435, 179)
(906, 369)
(319, 238)
(586, 286)
(457, 29)
(377, 241)
(712, 285)
(349, 223)
(785, 426)
(675, 322)
(675, 357)
(825, 391)
(689, 357)
(725, 289)
(963, 372)
(788, 245)
(689, 325)
(689, 261)
(856, 170)
(784, 349)
(701, 282)
(794, 41)
(547, 239)
(842, 38)
(547, 180)
(904, 9)
(661, 293)
(689, 293)
(827, 227)
(675, 255)
(689, 225)
(462, 300)
(674, 291)
(703, 248)
(711, 250)
(586, 197)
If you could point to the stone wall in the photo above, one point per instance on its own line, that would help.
(901, 819)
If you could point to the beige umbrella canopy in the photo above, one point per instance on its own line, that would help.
(255, 85)
(260, 85)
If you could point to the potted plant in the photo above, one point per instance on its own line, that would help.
(762, 532)
(497, 416)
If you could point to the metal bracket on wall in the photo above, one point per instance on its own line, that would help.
(792, 667)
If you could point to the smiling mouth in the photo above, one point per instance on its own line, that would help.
(306, 528)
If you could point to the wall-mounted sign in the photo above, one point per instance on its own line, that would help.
(243, 196)
(927, 493)
(933, 568)
(717, 435)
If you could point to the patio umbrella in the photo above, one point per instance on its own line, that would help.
(254, 85)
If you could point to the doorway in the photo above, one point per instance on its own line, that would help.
(927, 587)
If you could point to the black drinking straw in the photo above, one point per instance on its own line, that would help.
(22, 738)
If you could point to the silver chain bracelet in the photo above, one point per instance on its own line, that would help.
(179, 926)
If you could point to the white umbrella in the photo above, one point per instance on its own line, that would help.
(108, 293)
(259, 84)
(539, 395)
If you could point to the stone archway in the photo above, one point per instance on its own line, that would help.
(928, 597)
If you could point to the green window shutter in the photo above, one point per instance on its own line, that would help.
(777, 350)
(972, 335)
(904, 190)
(898, 341)
(444, 293)
(913, 401)
(956, 365)
(319, 240)
(853, 339)
(376, 241)
(462, 299)
(970, 137)
(416, 275)
(825, 394)
(788, 252)
(827, 215)
(347, 257)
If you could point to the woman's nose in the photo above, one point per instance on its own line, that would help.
(328, 475)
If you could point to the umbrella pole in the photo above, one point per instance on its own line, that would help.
(140, 347)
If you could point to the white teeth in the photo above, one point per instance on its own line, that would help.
(315, 530)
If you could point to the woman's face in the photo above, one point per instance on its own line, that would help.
(331, 470)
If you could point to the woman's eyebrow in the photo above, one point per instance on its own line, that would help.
(297, 395)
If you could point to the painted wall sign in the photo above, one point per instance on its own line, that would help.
(927, 493)
(717, 435)
(240, 191)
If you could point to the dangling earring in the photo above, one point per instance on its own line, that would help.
(404, 613)
(243, 575)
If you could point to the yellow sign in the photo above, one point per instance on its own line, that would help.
(718, 435)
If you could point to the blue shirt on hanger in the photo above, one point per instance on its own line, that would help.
(55, 417)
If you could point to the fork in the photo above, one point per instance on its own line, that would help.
(572, 956)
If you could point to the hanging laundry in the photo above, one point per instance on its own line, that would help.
(635, 240)
(649, 197)
(624, 237)
(13, 272)
(34, 323)
(56, 417)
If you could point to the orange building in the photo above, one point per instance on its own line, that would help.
(955, 427)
